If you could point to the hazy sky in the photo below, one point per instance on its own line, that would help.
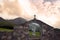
(46, 10)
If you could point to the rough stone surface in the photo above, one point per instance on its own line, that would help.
(22, 32)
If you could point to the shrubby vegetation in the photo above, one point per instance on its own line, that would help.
(6, 24)
(9, 24)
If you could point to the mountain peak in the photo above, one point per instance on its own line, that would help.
(1, 19)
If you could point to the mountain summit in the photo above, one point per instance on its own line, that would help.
(18, 21)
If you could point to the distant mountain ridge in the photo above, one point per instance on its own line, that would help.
(4, 23)
(18, 21)
(1, 19)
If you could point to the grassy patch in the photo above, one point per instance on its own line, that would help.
(5, 30)
(37, 34)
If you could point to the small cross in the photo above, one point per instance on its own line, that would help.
(34, 16)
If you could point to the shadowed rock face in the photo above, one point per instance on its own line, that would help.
(57, 34)
(22, 32)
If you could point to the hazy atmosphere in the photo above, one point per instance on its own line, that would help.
(46, 10)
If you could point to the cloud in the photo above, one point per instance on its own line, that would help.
(50, 0)
(27, 8)
(47, 12)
